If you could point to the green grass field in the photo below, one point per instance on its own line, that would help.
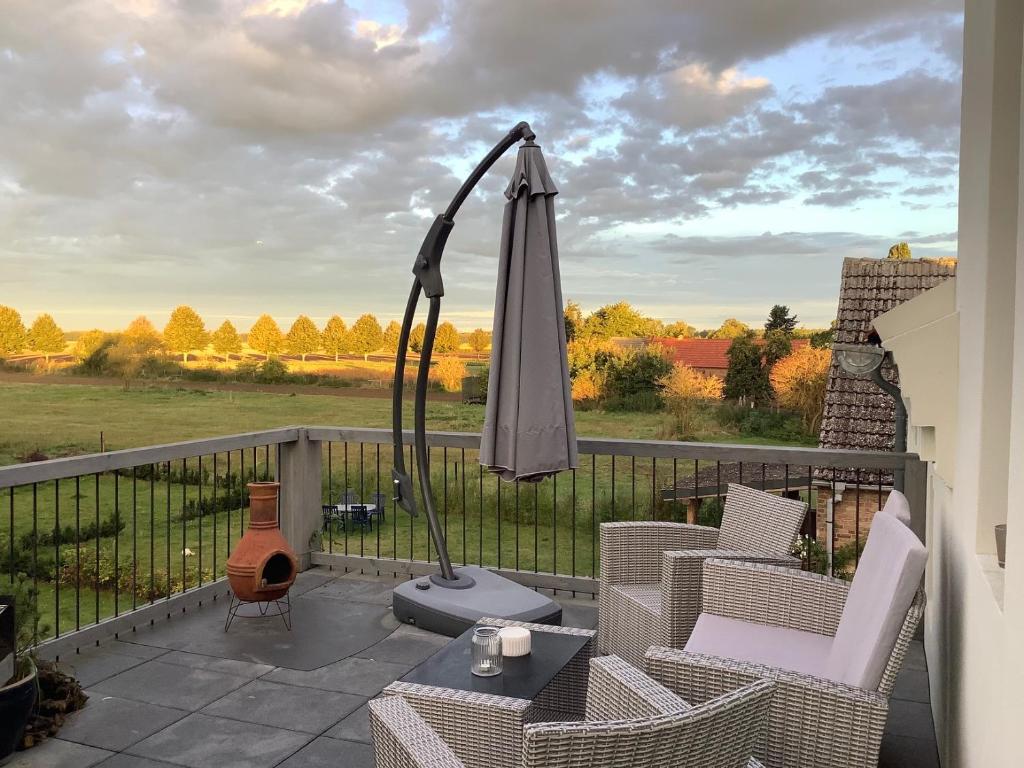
(552, 528)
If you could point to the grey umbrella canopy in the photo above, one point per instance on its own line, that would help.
(529, 431)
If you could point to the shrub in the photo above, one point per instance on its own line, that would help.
(710, 512)
(272, 372)
(799, 381)
(633, 381)
(586, 387)
(686, 393)
(449, 372)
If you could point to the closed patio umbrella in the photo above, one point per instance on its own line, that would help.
(529, 432)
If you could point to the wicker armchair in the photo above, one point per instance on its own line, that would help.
(632, 722)
(814, 721)
(650, 590)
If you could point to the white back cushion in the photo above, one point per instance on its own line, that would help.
(887, 578)
(898, 506)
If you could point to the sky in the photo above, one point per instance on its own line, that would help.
(288, 156)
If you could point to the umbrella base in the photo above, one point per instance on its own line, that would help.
(451, 612)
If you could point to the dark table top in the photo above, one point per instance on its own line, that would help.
(523, 677)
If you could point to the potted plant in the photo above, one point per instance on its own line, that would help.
(19, 631)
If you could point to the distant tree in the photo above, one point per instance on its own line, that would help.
(226, 340)
(447, 339)
(185, 332)
(899, 252)
(303, 337)
(46, 336)
(416, 336)
(779, 319)
(731, 329)
(573, 321)
(449, 373)
(88, 343)
(479, 339)
(129, 354)
(392, 334)
(142, 333)
(746, 379)
(334, 337)
(365, 336)
(620, 319)
(776, 346)
(799, 382)
(265, 336)
(680, 330)
(12, 332)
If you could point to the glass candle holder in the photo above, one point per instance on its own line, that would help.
(486, 652)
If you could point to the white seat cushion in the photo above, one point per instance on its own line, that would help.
(804, 652)
(898, 506)
(887, 578)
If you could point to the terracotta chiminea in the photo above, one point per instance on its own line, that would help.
(262, 566)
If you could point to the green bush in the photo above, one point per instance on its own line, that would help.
(631, 382)
(751, 422)
(710, 512)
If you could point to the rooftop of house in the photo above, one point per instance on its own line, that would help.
(857, 415)
(704, 353)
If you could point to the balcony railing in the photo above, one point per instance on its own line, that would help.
(114, 540)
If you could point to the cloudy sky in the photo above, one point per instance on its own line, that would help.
(287, 156)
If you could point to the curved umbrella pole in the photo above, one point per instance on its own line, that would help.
(427, 271)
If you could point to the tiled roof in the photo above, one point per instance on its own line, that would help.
(857, 414)
(703, 353)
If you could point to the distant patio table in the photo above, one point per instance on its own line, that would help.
(343, 510)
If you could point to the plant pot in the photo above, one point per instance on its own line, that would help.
(1001, 545)
(17, 701)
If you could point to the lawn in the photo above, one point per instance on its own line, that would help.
(550, 526)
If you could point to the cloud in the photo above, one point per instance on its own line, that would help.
(147, 146)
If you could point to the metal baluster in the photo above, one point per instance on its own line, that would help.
(10, 543)
(516, 517)
(201, 514)
(654, 488)
(56, 557)
(347, 516)
(170, 573)
(78, 552)
(498, 486)
(444, 486)
(184, 530)
(613, 487)
(480, 498)
(330, 496)
(464, 507)
(593, 512)
(135, 533)
(536, 512)
(554, 524)
(362, 498)
(152, 542)
(380, 517)
(96, 576)
(856, 523)
(574, 524)
(632, 487)
(117, 542)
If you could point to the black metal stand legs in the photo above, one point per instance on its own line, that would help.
(282, 608)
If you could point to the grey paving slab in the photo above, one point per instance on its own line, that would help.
(406, 645)
(285, 706)
(355, 675)
(323, 631)
(906, 752)
(57, 753)
(170, 685)
(124, 760)
(910, 718)
(331, 753)
(228, 666)
(113, 723)
(357, 590)
(311, 579)
(355, 727)
(95, 664)
(912, 685)
(201, 741)
(125, 645)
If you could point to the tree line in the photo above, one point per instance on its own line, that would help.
(186, 334)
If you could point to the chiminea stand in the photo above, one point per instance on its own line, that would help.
(282, 607)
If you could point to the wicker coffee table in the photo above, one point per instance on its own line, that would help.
(548, 685)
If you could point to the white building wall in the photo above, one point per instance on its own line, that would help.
(974, 626)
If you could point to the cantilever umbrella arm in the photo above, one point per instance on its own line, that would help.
(427, 272)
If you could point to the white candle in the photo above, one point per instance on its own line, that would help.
(515, 641)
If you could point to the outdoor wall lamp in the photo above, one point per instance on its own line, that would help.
(865, 360)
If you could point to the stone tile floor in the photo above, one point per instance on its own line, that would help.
(185, 693)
